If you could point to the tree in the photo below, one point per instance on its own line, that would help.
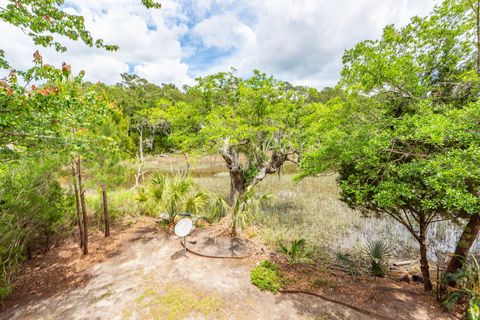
(472, 227)
(256, 124)
(105, 169)
(44, 21)
(33, 207)
(411, 153)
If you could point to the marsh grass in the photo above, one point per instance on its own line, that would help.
(309, 209)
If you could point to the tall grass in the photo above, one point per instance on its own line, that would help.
(309, 209)
(122, 203)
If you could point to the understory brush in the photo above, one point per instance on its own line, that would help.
(298, 251)
(122, 203)
(33, 209)
(352, 264)
(378, 253)
(168, 196)
(372, 258)
(468, 289)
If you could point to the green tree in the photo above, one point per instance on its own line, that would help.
(257, 124)
(104, 168)
(411, 149)
(33, 207)
(45, 21)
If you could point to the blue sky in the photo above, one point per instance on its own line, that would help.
(301, 41)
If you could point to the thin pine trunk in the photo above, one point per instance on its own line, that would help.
(77, 204)
(106, 214)
(84, 207)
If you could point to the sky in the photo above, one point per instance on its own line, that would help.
(300, 41)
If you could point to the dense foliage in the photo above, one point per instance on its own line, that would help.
(401, 131)
(412, 150)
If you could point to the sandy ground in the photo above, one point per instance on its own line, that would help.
(150, 278)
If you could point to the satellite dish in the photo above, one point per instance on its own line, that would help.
(183, 227)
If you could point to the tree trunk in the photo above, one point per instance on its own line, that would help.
(106, 214)
(238, 185)
(29, 252)
(477, 13)
(427, 283)
(77, 205)
(47, 239)
(84, 207)
(464, 244)
(141, 158)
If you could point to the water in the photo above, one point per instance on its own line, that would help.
(442, 238)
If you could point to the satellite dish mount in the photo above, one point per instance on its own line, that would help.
(182, 230)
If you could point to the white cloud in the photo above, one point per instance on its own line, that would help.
(124, 23)
(300, 41)
(224, 32)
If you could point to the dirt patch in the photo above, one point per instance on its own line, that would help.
(386, 296)
(150, 278)
(219, 247)
(64, 267)
(141, 273)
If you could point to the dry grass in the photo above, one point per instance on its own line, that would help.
(308, 209)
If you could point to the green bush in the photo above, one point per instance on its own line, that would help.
(298, 252)
(266, 277)
(468, 289)
(378, 252)
(5, 290)
(169, 196)
(33, 208)
(121, 203)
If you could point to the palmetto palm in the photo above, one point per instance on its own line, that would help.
(176, 195)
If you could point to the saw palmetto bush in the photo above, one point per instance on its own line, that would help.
(467, 289)
(244, 209)
(298, 251)
(378, 253)
(170, 196)
(240, 213)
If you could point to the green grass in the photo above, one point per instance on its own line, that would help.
(177, 302)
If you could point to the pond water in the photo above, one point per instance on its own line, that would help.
(442, 238)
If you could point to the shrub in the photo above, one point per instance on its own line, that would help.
(298, 252)
(33, 207)
(378, 252)
(267, 277)
(218, 209)
(121, 203)
(244, 209)
(171, 196)
(351, 263)
(468, 287)
(5, 290)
